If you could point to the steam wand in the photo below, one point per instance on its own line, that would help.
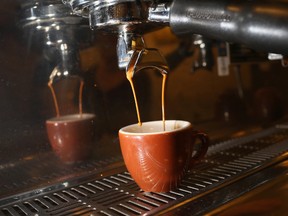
(261, 25)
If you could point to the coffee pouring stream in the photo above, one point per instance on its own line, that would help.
(257, 24)
(146, 58)
(71, 135)
(62, 34)
(56, 73)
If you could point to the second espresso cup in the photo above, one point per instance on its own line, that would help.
(156, 159)
(71, 136)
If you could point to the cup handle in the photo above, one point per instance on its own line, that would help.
(202, 149)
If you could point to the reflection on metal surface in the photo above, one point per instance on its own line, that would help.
(221, 196)
(230, 169)
(272, 197)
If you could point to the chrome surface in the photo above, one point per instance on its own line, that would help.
(34, 182)
(127, 18)
(116, 15)
(215, 203)
(123, 14)
(79, 7)
(221, 21)
(126, 46)
(271, 195)
(231, 168)
(202, 52)
(58, 30)
(252, 23)
(48, 13)
(160, 13)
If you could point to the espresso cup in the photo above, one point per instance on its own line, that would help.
(156, 159)
(71, 136)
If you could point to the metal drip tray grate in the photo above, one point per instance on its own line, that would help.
(118, 194)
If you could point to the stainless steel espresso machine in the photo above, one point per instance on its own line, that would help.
(226, 62)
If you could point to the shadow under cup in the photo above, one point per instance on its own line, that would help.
(157, 160)
(71, 136)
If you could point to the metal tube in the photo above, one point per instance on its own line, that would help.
(261, 25)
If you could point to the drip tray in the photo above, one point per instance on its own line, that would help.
(230, 169)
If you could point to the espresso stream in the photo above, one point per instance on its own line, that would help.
(129, 75)
(50, 85)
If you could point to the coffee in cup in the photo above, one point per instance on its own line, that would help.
(156, 159)
(71, 136)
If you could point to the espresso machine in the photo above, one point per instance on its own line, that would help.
(226, 63)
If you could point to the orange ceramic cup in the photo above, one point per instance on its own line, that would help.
(157, 160)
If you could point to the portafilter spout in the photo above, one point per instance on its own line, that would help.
(127, 18)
